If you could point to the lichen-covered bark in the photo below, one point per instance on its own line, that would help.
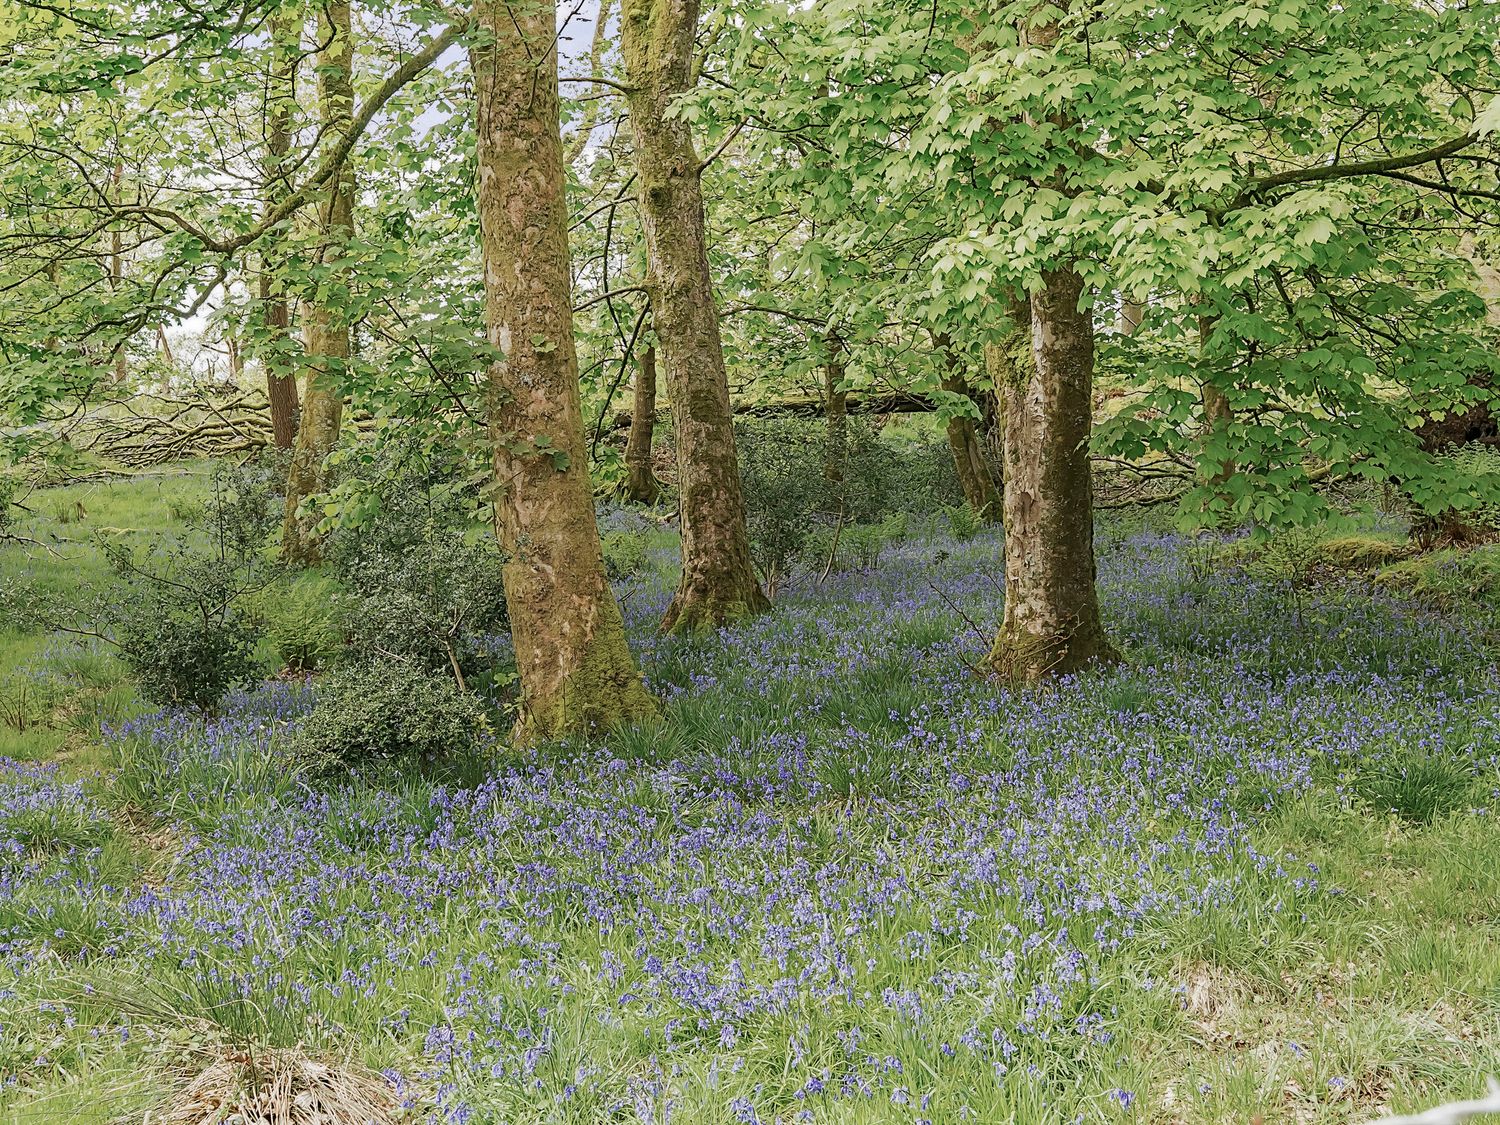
(326, 333)
(1051, 624)
(641, 484)
(577, 673)
(281, 387)
(718, 580)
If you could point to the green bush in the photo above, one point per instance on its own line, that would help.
(964, 523)
(787, 494)
(624, 553)
(388, 711)
(302, 620)
(421, 581)
(436, 604)
(180, 657)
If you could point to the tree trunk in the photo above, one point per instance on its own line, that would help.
(969, 462)
(836, 410)
(1217, 414)
(576, 669)
(641, 484)
(718, 580)
(1130, 316)
(281, 386)
(326, 335)
(117, 271)
(1051, 624)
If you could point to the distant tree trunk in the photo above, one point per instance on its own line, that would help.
(1217, 414)
(236, 360)
(576, 670)
(326, 334)
(165, 345)
(836, 409)
(1130, 317)
(1052, 624)
(281, 386)
(969, 461)
(641, 484)
(117, 271)
(718, 580)
(600, 43)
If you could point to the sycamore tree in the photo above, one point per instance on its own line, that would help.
(1284, 176)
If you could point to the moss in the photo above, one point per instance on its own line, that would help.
(1447, 576)
(603, 693)
(695, 610)
(1361, 552)
(1021, 657)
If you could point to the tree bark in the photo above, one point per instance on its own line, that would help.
(718, 579)
(1052, 624)
(641, 484)
(1217, 414)
(576, 670)
(281, 386)
(969, 461)
(326, 334)
(836, 408)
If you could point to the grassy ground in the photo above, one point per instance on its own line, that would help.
(1254, 872)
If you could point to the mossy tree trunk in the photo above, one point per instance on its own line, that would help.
(718, 579)
(281, 98)
(641, 484)
(576, 670)
(1052, 624)
(326, 332)
(970, 464)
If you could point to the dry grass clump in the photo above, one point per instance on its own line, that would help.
(277, 1087)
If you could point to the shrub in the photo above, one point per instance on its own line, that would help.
(435, 604)
(963, 522)
(302, 621)
(786, 491)
(388, 711)
(421, 581)
(624, 553)
(182, 659)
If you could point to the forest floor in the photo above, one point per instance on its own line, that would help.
(1252, 873)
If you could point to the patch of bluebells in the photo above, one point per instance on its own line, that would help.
(846, 871)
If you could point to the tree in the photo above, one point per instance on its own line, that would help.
(1234, 164)
(718, 579)
(576, 671)
(640, 484)
(326, 332)
(281, 98)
